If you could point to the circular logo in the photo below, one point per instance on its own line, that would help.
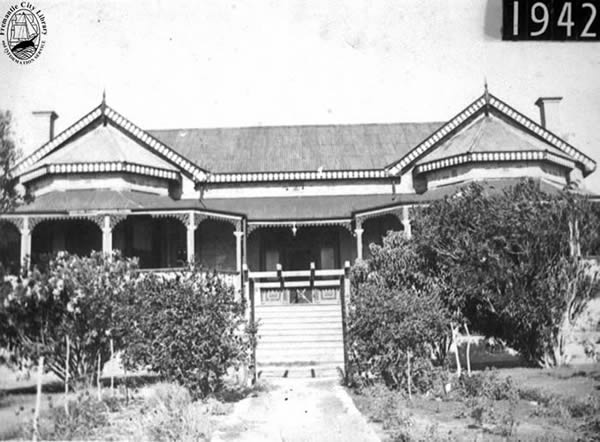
(23, 28)
(23, 34)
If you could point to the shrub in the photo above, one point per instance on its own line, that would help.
(509, 258)
(388, 328)
(75, 297)
(487, 385)
(188, 329)
(86, 414)
(170, 415)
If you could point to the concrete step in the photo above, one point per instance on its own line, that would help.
(299, 345)
(312, 356)
(274, 307)
(306, 312)
(299, 322)
(330, 370)
(308, 329)
(264, 338)
(300, 359)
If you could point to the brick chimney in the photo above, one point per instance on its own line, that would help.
(550, 113)
(42, 130)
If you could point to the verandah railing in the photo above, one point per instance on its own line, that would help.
(310, 286)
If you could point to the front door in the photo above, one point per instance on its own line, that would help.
(299, 258)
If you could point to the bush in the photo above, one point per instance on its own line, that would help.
(487, 385)
(388, 328)
(170, 415)
(188, 329)
(75, 297)
(86, 414)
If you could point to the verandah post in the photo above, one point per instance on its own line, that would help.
(107, 236)
(190, 238)
(406, 222)
(358, 232)
(25, 241)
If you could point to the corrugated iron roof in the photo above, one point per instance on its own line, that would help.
(296, 148)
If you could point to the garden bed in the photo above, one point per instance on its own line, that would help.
(152, 412)
(514, 404)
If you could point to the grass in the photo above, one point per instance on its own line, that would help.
(506, 404)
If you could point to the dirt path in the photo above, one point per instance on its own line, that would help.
(297, 410)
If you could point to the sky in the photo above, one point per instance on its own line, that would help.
(221, 63)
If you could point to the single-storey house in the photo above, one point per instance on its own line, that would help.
(293, 202)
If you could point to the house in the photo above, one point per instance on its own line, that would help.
(291, 204)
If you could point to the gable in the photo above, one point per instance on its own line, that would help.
(105, 141)
(489, 134)
(103, 144)
(490, 130)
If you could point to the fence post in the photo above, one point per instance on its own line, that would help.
(344, 291)
(38, 399)
(67, 365)
(254, 327)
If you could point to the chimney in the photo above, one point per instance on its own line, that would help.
(550, 113)
(43, 127)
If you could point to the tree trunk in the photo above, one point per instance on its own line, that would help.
(455, 344)
(468, 355)
(408, 374)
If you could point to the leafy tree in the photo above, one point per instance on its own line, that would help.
(188, 329)
(511, 260)
(76, 298)
(8, 156)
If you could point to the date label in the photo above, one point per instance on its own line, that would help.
(551, 20)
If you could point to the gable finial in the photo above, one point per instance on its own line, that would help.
(103, 107)
(486, 96)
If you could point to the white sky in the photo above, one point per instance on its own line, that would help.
(232, 63)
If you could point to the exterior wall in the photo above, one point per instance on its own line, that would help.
(550, 172)
(102, 181)
(215, 245)
(297, 188)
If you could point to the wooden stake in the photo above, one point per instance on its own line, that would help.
(112, 375)
(38, 399)
(98, 379)
(468, 350)
(67, 375)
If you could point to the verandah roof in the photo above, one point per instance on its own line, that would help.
(254, 209)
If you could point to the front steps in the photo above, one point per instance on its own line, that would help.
(299, 340)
